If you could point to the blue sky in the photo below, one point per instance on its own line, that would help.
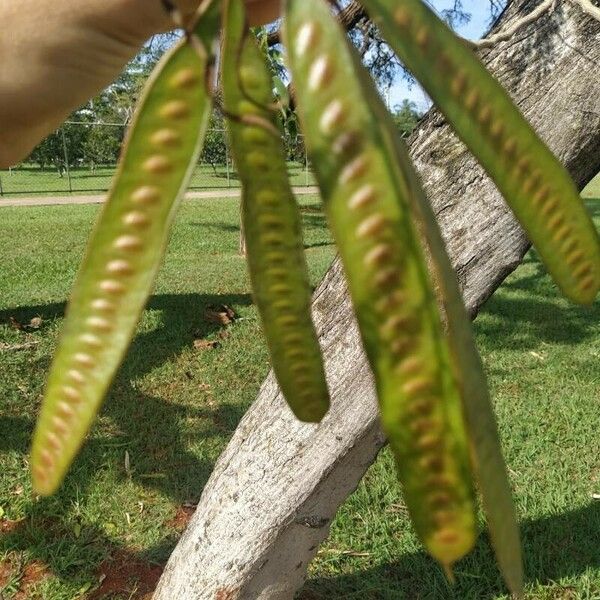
(478, 25)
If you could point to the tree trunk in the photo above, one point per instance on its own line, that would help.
(276, 488)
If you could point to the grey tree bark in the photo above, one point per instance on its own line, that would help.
(277, 486)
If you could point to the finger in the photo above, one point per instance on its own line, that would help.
(261, 12)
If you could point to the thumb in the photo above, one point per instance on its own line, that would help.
(261, 12)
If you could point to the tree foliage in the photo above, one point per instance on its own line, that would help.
(406, 116)
(105, 117)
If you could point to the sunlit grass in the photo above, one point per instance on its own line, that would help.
(173, 407)
(29, 180)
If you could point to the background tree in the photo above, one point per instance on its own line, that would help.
(61, 149)
(102, 145)
(214, 152)
(406, 116)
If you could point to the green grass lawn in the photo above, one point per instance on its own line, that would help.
(32, 181)
(173, 407)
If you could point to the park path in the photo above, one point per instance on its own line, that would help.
(99, 199)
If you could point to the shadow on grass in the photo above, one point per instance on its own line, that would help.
(149, 428)
(208, 225)
(223, 175)
(46, 535)
(555, 547)
(155, 431)
(529, 309)
(15, 433)
(150, 431)
(312, 218)
(181, 314)
(317, 245)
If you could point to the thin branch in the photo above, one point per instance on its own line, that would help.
(507, 34)
(365, 28)
(588, 7)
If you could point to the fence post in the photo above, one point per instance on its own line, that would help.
(305, 167)
(1, 190)
(227, 163)
(64, 141)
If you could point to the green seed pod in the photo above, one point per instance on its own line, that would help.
(534, 183)
(124, 253)
(486, 452)
(271, 223)
(368, 207)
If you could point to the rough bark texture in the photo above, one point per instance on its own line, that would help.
(276, 488)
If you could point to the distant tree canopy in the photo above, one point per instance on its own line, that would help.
(51, 152)
(406, 116)
(93, 135)
(97, 137)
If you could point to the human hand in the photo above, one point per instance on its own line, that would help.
(259, 11)
(55, 58)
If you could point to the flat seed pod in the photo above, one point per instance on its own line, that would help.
(484, 441)
(388, 278)
(536, 186)
(124, 253)
(272, 224)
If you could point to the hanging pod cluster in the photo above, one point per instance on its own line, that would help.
(379, 217)
(435, 406)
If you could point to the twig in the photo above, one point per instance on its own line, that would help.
(507, 34)
(588, 7)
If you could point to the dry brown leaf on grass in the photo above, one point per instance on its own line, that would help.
(206, 344)
(222, 315)
(33, 324)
